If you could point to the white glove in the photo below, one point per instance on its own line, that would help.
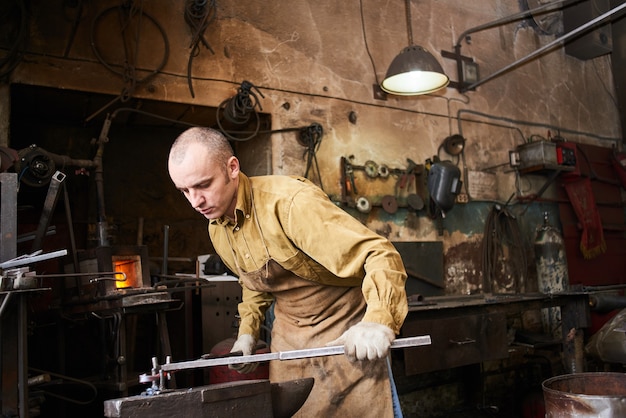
(366, 341)
(246, 343)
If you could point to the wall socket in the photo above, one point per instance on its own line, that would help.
(462, 198)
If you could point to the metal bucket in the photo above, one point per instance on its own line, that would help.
(597, 395)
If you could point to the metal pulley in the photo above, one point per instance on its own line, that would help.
(415, 201)
(35, 166)
(390, 204)
(383, 171)
(371, 169)
(363, 205)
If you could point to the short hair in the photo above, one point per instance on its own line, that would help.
(216, 143)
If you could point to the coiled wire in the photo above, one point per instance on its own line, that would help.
(198, 15)
(239, 109)
(503, 250)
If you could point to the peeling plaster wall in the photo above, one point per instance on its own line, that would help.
(317, 62)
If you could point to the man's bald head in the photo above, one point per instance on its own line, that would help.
(215, 142)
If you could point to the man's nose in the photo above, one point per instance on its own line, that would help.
(195, 198)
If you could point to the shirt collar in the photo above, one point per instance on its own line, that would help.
(243, 206)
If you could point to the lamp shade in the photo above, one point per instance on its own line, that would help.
(414, 71)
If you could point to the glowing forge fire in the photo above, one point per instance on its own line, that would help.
(129, 265)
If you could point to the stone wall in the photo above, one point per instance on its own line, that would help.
(317, 62)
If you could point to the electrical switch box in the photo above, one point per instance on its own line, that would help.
(536, 155)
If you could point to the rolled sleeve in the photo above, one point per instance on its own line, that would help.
(252, 311)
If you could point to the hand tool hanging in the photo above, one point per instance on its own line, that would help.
(198, 15)
(131, 19)
(348, 186)
(311, 138)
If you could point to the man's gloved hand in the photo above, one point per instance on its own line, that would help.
(366, 341)
(246, 343)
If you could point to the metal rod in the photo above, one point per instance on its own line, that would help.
(103, 238)
(140, 231)
(52, 230)
(166, 240)
(509, 19)
(70, 229)
(548, 46)
(99, 273)
(22, 367)
(29, 260)
(48, 208)
(409, 28)
(5, 302)
(8, 216)
(286, 355)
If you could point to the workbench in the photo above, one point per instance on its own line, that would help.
(471, 329)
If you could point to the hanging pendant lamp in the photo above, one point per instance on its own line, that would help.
(414, 71)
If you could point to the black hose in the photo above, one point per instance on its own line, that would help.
(503, 249)
(198, 15)
(238, 110)
(128, 71)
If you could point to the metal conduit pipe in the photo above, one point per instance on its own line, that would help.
(605, 302)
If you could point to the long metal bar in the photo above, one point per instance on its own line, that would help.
(103, 239)
(5, 302)
(48, 208)
(21, 261)
(52, 230)
(166, 244)
(70, 229)
(285, 355)
(8, 216)
(22, 366)
(548, 46)
(512, 18)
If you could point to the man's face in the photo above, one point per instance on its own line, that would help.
(210, 188)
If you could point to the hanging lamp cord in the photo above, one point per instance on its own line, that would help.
(409, 29)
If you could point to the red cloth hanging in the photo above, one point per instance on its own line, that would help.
(581, 197)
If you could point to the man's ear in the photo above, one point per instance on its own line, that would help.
(233, 167)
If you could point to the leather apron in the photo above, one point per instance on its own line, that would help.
(309, 315)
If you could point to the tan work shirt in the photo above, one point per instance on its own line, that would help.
(292, 221)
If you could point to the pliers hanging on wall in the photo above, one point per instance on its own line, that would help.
(348, 186)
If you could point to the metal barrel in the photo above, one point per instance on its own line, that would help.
(585, 395)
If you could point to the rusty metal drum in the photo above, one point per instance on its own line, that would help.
(585, 395)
